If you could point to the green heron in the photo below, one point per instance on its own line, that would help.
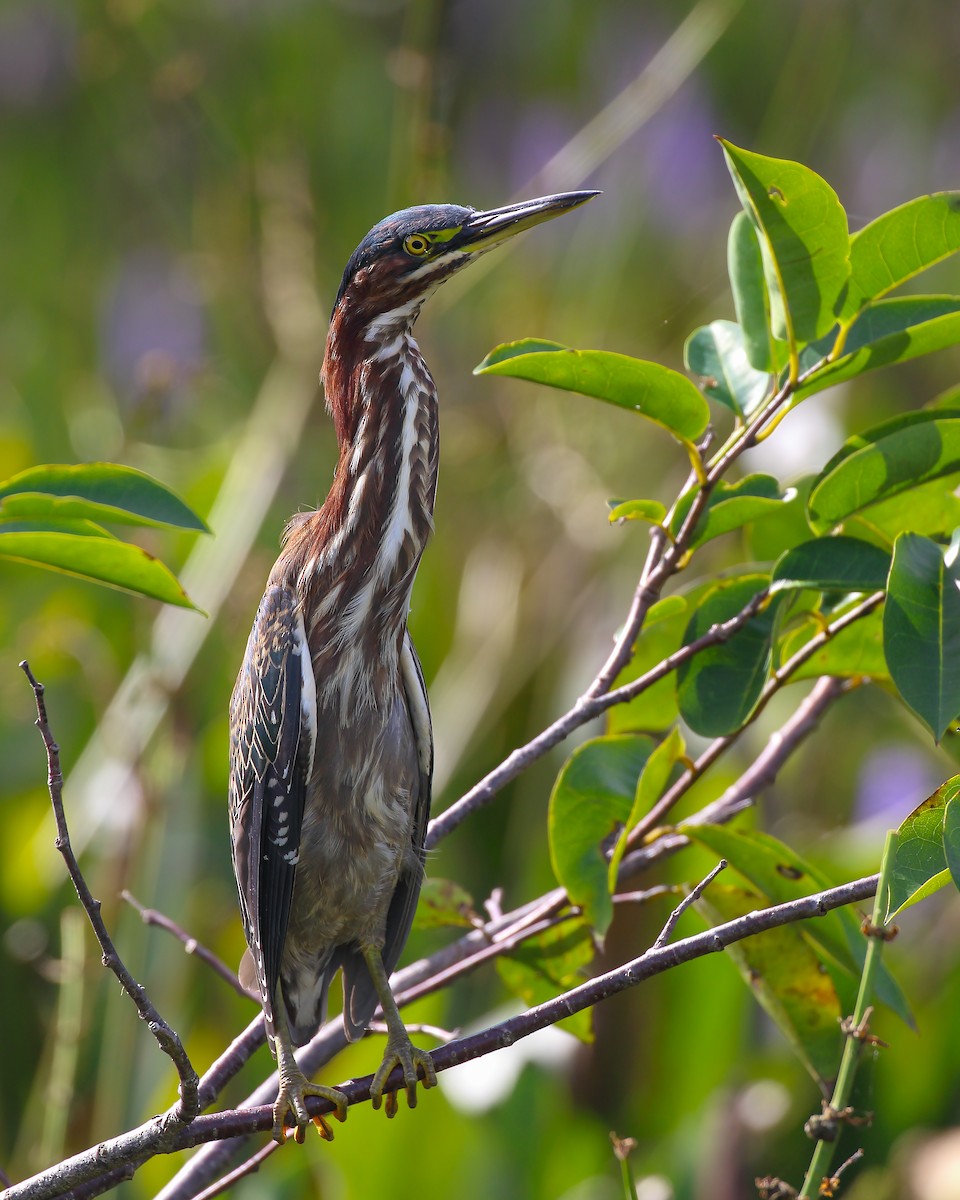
(330, 740)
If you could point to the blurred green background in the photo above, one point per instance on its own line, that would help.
(180, 186)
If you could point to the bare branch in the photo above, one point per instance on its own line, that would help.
(245, 1121)
(151, 916)
(689, 899)
(169, 1042)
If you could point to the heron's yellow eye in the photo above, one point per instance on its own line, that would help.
(416, 244)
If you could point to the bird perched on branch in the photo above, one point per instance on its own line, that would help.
(330, 739)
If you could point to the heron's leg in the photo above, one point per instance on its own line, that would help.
(294, 1087)
(400, 1050)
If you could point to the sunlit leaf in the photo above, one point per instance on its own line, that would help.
(590, 802)
(931, 508)
(883, 462)
(900, 244)
(72, 525)
(854, 652)
(637, 510)
(951, 838)
(912, 333)
(115, 563)
(803, 236)
(95, 492)
(718, 355)
(548, 964)
(655, 392)
(731, 506)
(921, 631)
(750, 298)
(919, 863)
(720, 686)
(783, 527)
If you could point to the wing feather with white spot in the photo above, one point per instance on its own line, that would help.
(273, 715)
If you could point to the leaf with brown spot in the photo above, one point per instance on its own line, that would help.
(787, 978)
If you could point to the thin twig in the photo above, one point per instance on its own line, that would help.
(648, 894)
(689, 899)
(249, 1166)
(152, 916)
(189, 1104)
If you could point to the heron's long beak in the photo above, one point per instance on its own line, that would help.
(486, 229)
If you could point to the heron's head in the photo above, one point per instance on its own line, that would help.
(407, 255)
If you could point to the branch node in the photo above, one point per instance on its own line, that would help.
(861, 1033)
(886, 933)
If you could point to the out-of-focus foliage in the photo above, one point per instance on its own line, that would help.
(50, 517)
(182, 185)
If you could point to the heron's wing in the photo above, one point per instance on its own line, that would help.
(404, 903)
(360, 995)
(272, 739)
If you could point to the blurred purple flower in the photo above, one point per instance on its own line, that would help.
(893, 780)
(152, 332)
(38, 49)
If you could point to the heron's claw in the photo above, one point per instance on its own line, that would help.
(292, 1100)
(415, 1064)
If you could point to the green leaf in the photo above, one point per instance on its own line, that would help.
(591, 800)
(784, 527)
(921, 631)
(891, 458)
(444, 903)
(717, 353)
(656, 708)
(96, 492)
(855, 652)
(637, 510)
(931, 508)
(832, 564)
(115, 563)
(900, 244)
(650, 786)
(663, 396)
(72, 525)
(803, 236)
(781, 875)
(750, 298)
(731, 506)
(951, 839)
(786, 978)
(718, 689)
(915, 332)
(553, 962)
(919, 862)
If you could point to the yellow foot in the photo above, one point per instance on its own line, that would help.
(415, 1063)
(292, 1101)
